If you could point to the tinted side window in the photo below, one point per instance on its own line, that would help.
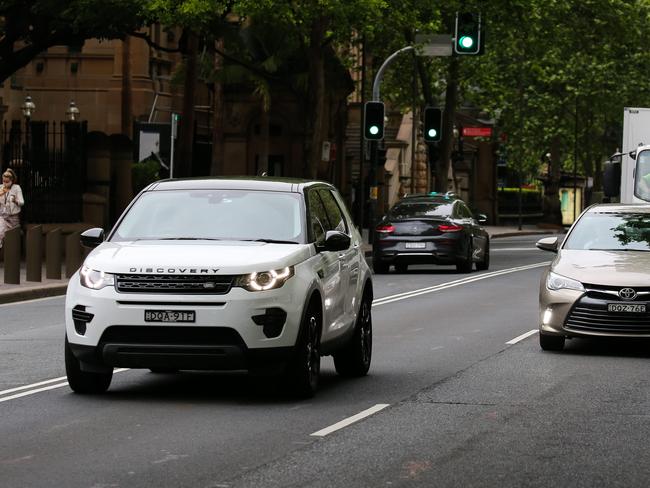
(334, 214)
(318, 223)
(464, 211)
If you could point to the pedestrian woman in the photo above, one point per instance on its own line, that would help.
(11, 200)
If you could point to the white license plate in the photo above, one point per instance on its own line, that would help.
(415, 245)
(169, 316)
(626, 307)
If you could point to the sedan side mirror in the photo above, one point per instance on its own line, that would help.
(547, 244)
(336, 241)
(92, 237)
(482, 218)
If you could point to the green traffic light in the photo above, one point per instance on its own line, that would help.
(433, 133)
(374, 130)
(466, 42)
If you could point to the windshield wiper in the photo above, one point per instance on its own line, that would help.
(616, 250)
(270, 241)
(188, 239)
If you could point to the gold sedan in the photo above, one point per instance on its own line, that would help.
(599, 283)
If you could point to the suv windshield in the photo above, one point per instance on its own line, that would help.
(611, 232)
(214, 214)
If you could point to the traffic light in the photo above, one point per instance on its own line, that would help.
(467, 39)
(432, 124)
(373, 121)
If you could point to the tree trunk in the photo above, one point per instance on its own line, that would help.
(316, 106)
(446, 144)
(183, 167)
(218, 109)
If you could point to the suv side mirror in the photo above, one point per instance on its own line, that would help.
(92, 237)
(336, 241)
(547, 244)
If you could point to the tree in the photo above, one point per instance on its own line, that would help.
(29, 27)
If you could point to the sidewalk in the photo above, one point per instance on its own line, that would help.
(28, 290)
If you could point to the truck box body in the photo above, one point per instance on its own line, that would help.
(636, 132)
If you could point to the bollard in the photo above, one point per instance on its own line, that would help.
(12, 256)
(34, 253)
(72, 254)
(53, 255)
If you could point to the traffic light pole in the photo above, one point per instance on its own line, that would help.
(372, 173)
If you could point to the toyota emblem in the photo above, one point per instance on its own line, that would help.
(627, 294)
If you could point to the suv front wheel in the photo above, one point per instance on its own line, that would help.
(354, 359)
(304, 369)
(82, 381)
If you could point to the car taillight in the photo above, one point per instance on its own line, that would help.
(450, 228)
(385, 229)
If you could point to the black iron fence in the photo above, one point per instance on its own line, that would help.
(50, 160)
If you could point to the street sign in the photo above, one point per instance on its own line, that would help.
(434, 44)
(477, 131)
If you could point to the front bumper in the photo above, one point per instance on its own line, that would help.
(572, 313)
(227, 332)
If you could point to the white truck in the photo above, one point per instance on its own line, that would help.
(627, 173)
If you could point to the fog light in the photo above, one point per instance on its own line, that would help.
(548, 315)
(272, 321)
(81, 318)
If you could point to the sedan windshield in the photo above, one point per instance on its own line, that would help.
(611, 232)
(244, 215)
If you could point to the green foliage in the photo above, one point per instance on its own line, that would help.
(144, 173)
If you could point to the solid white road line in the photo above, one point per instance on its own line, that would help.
(451, 284)
(522, 337)
(350, 420)
(38, 390)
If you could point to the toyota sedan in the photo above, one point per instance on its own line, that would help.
(599, 284)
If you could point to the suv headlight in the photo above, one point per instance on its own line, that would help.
(559, 282)
(94, 279)
(264, 280)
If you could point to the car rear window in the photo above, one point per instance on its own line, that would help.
(420, 209)
(611, 232)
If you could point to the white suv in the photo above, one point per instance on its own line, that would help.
(222, 274)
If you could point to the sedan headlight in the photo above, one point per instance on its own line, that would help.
(558, 282)
(94, 279)
(265, 280)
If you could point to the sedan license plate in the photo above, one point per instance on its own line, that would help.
(626, 307)
(415, 245)
(169, 316)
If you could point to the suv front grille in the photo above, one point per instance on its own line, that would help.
(176, 284)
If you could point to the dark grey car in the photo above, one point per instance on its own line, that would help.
(426, 230)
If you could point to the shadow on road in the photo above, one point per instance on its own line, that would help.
(614, 347)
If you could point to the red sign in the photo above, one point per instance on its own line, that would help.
(477, 131)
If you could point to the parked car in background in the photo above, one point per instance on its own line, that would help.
(598, 285)
(430, 229)
(265, 275)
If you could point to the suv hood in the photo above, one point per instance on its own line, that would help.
(195, 257)
(615, 268)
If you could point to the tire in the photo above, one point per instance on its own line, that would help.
(163, 370)
(354, 359)
(304, 369)
(551, 342)
(82, 381)
(485, 263)
(401, 268)
(379, 267)
(465, 265)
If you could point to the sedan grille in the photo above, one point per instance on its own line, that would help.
(177, 284)
(589, 314)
